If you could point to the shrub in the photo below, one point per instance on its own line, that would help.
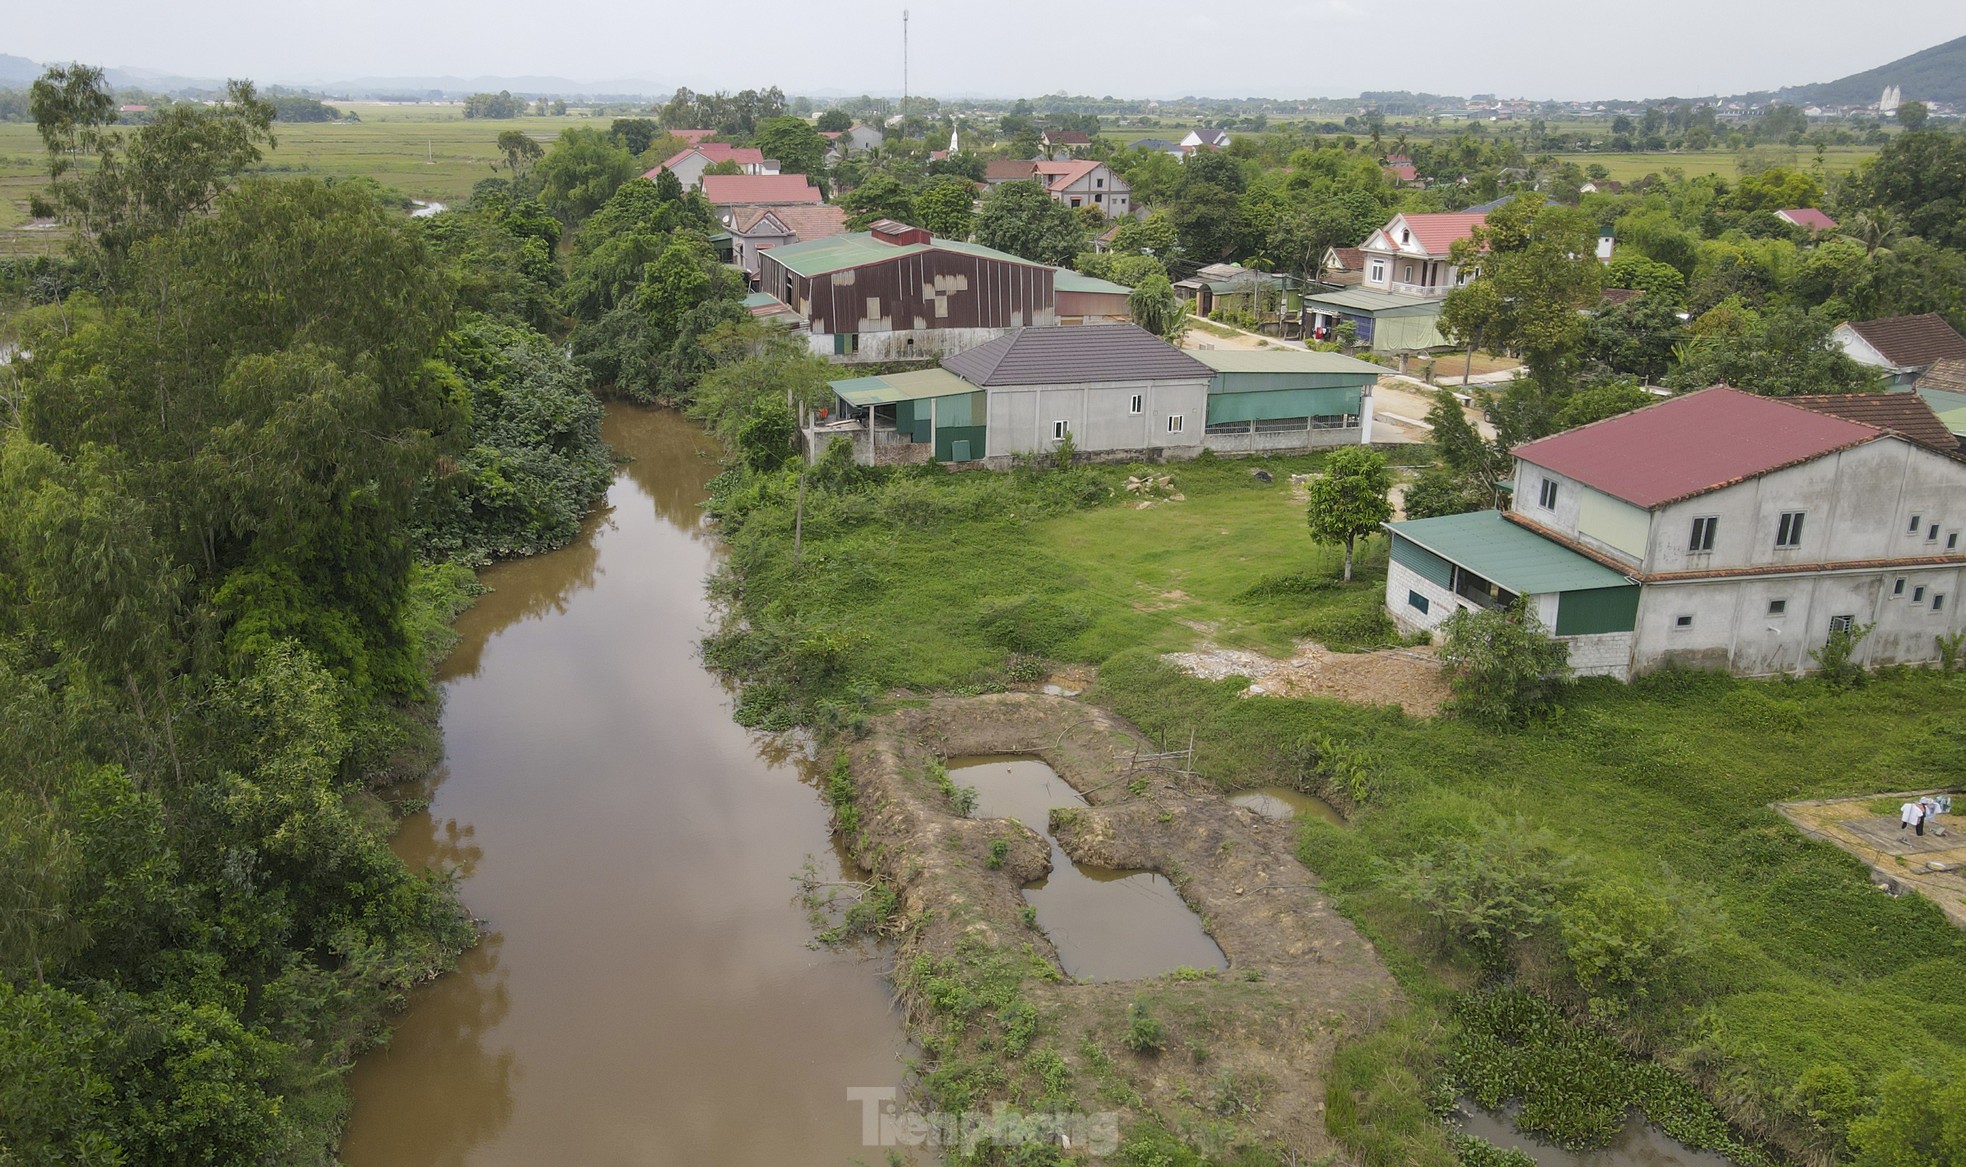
(1504, 667)
(1835, 657)
(1489, 892)
(1144, 1032)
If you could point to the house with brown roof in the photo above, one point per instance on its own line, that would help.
(755, 229)
(1902, 346)
(1408, 269)
(1343, 265)
(1065, 142)
(1086, 183)
(1204, 139)
(689, 163)
(1716, 530)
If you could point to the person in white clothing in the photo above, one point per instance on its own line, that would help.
(1912, 815)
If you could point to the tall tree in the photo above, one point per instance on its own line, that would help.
(1021, 218)
(794, 143)
(582, 171)
(946, 206)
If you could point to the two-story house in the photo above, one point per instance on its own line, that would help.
(1715, 530)
(1407, 267)
(689, 164)
(1085, 183)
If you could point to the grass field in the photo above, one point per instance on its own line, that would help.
(1725, 163)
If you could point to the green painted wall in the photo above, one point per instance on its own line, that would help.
(1281, 403)
(1273, 382)
(1597, 610)
(913, 418)
(947, 436)
(1427, 565)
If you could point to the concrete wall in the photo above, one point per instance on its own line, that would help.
(910, 344)
(1098, 415)
(1284, 442)
(1591, 517)
(1603, 655)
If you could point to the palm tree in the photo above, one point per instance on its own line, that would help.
(1876, 230)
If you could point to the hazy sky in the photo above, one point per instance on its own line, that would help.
(1288, 48)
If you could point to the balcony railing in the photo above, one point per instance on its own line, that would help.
(1424, 291)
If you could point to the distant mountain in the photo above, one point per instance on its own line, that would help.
(17, 72)
(520, 86)
(1935, 74)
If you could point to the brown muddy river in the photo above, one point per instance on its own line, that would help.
(644, 993)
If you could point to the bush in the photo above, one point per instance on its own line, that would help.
(1144, 1033)
(1835, 657)
(1491, 891)
(1504, 667)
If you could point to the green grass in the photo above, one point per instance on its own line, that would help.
(1725, 163)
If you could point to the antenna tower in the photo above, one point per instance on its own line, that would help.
(904, 70)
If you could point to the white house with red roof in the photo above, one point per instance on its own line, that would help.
(1715, 530)
(1407, 269)
(689, 163)
(1086, 183)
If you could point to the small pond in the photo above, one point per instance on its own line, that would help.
(1281, 802)
(1108, 925)
(1640, 1144)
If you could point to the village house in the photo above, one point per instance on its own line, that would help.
(1118, 391)
(1344, 266)
(1084, 299)
(1065, 143)
(1714, 530)
(689, 164)
(1086, 184)
(1943, 388)
(1204, 139)
(1808, 218)
(895, 292)
(1408, 269)
(1231, 286)
(1901, 346)
(754, 229)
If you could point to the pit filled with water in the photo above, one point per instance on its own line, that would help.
(1281, 802)
(1107, 924)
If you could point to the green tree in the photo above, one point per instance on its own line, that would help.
(1601, 401)
(1503, 665)
(634, 134)
(834, 121)
(1777, 352)
(1489, 891)
(946, 206)
(882, 196)
(582, 171)
(1024, 220)
(521, 151)
(794, 143)
(1912, 115)
(1154, 307)
(1349, 499)
(1919, 1122)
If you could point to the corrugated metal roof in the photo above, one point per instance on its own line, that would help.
(1489, 545)
(1689, 445)
(1072, 355)
(892, 387)
(1068, 280)
(860, 247)
(1366, 300)
(1282, 360)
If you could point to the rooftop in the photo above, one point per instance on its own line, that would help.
(1367, 300)
(1901, 413)
(1520, 560)
(1068, 280)
(1072, 355)
(1945, 373)
(725, 190)
(1283, 360)
(807, 221)
(1008, 169)
(1911, 342)
(1689, 445)
(892, 387)
(1808, 217)
(715, 152)
(856, 248)
(1437, 233)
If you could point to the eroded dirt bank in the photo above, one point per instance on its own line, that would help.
(1243, 1052)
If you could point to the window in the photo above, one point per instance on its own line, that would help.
(1918, 594)
(1938, 601)
(1546, 498)
(1417, 602)
(1682, 622)
(1099, 182)
(1932, 533)
(1058, 430)
(1897, 587)
(1952, 540)
(1841, 624)
(1174, 423)
(1378, 271)
(1076, 200)
(1137, 405)
(1099, 198)
(1788, 532)
(1778, 607)
(1916, 522)
(1405, 236)
(1408, 277)
(1703, 529)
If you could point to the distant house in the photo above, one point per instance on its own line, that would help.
(1408, 268)
(1343, 265)
(760, 190)
(861, 138)
(1400, 169)
(692, 137)
(1602, 186)
(1064, 142)
(755, 229)
(1084, 299)
(1086, 184)
(998, 171)
(1808, 218)
(1157, 145)
(894, 292)
(1204, 139)
(1116, 390)
(689, 164)
(1902, 346)
(1231, 286)
(1718, 529)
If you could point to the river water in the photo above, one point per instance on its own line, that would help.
(645, 994)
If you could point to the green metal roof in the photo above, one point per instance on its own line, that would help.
(839, 252)
(893, 387)
(1950, 406)
(1494, 548)
(759, 300)
(1068, 280)
(1365, 300)
(1282, 360)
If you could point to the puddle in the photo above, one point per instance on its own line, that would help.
(1640, 1144)
(1281, 802)
(1108, 924)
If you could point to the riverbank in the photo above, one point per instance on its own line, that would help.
(1239, 1056)
(1680, 917)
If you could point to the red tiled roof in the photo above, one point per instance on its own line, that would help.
(1349, 258)
(1808, 217)
(693, 137)
(1064, 174)
(1439, 232)
(1008, 169)
(1689, 445)
(715, 152)
(821, 221)
(1402, 171)
(1911, 342)
(1068, 137)
(1901, 413)
(725, 190)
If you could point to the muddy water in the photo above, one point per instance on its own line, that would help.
(1638, 1145)
(1281, 802)
(645, 995)
(1108, 925)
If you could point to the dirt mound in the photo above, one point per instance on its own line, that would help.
(1407, 677)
